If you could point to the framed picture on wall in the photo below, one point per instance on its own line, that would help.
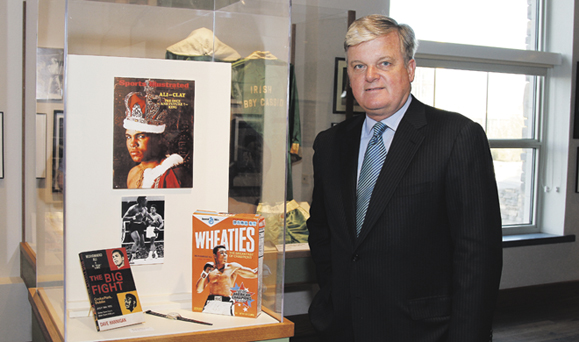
(1, 144)
(246, 158)
(58, 151)
(40, 145)
(577, 172)
(576, 119)
(340, 86)
(49, 74)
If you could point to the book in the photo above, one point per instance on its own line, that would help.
(227, 263)
(111, 288)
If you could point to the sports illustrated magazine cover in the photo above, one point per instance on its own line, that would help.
(227, 263)
(143, 229)
(111, 288)
(153, 133)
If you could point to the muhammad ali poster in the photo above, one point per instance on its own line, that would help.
(153, 133)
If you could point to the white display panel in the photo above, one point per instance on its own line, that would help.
(93, 207)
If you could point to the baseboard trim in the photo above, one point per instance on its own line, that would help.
(537, 295)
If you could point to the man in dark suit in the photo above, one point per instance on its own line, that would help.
(418, 256)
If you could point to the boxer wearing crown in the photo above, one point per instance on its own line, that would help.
(144, 126)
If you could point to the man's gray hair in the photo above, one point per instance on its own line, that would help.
(375, 25)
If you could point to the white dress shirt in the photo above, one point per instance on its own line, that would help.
(392, 125)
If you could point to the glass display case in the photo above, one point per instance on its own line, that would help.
(215, 75)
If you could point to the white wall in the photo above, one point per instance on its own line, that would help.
(15, 325)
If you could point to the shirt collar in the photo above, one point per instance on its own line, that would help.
(392, 121)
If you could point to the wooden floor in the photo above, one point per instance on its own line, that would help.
(534, 314)
(538, 316)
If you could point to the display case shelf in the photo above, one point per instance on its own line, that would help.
(45, 304)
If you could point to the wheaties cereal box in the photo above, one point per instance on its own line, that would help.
(227, 263)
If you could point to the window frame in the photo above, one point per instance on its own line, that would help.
(501, 60)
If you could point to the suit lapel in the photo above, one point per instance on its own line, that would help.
(407, 141)
(349, 169)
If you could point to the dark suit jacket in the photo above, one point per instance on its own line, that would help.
(427, 263)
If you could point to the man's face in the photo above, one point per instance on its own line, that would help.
(221, 256)
(380, 81)
(117, 258)
(153, 210)
(128, 303)
(138, 145)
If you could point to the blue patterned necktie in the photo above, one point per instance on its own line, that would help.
(373, 160)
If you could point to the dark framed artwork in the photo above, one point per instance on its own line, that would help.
(340, 86)
(1, 144)
(577, 172)
(49, 74)
(576, 119)
(58, 151)
(246, 158)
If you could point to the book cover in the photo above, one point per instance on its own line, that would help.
(227, 263)
(111, 288)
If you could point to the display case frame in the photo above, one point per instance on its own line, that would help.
(122, 48)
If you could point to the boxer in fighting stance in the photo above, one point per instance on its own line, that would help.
(221, 278)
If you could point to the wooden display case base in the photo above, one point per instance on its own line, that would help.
(230, 329)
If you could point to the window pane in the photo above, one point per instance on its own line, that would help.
(504, 104)
(423, 85)
(514, 169)
(459, 91)
(498, 23)
(462, 91)
(510, 106)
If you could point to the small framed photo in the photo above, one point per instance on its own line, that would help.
(143, 229)
(58, 151)
(1, 144)
(577, 173)
(576, 121)
(49, 74)
(340, 87)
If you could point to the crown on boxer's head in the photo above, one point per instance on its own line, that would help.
(143, 111)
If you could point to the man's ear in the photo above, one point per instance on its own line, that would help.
(411, 68)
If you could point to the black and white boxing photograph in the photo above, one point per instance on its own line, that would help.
(143, 229)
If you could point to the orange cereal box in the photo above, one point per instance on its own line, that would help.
(227, 263)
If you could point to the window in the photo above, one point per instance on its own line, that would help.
(504, 105)
(497, 23)
(496, 80)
